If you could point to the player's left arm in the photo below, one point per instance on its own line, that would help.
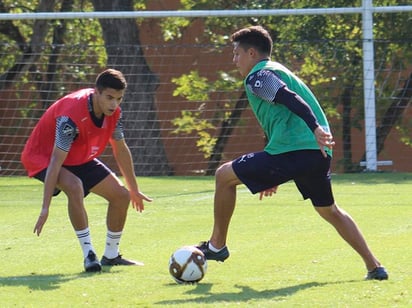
(124, 160)
(297, 105)
(268, 192)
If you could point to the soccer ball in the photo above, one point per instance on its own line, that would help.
(187, 265)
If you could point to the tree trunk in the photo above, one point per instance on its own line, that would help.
(349, 86)
(348, 165)
(392, 115)
(124, 53)
(47, 86)
(225, 133)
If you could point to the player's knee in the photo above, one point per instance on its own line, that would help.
(120, 202)
(327, 212)
(224, 174)
(221, 171)
(73, 187)
(123, 197)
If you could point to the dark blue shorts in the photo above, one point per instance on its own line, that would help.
(307, 168)
(90, 173)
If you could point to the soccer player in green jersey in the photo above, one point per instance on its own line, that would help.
(299, 148)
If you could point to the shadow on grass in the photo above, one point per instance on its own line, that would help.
(188, 193)
(41, 282)
(245, 294)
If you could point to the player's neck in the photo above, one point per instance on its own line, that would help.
(95, 110)
(96, 118)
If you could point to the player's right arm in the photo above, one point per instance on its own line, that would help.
(57, 158)
(64, 136)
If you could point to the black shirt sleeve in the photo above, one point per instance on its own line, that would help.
(297, 105)
(66, 132)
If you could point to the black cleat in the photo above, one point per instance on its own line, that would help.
(119, 261)
(91, 264)
(221, 255)
(378, 273)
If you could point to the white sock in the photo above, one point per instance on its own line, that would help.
(213, 248)
(85, 241)
(112, 244)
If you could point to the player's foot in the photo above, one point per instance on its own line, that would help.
(91, 263)
(221, 255)
(119, 260)
(378, 273)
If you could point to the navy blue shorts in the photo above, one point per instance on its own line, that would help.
(307, 168)
(90, 173)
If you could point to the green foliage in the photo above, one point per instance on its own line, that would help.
(139, 5)
(404, 131)
(190, 122)
(192, 86)
(79, 33)
(332, 57)
(331, 63)
(324, 50)
(198, 89)
(172, 27)
(206, 143)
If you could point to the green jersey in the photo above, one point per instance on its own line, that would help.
(285, 130)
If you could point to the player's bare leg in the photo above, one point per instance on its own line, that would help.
(72, 186)
(224, 203)
(350, 232)
(119, 198)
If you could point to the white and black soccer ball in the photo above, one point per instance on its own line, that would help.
(187, 265)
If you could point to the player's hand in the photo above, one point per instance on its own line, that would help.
(324, 139)
(41, 221)
(137, 200)
(268, 192)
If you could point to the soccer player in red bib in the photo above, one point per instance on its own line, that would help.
(62, 151)
(299, 148)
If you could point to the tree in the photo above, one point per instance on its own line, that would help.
(139, 110)
(29, 47)
(398, 55)
(42, 66)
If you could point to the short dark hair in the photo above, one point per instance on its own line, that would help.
(111, 78)
(254, 37)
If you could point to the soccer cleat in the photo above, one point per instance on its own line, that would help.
(221, 255)
(91, 264)
(119, 261)
(378, 273)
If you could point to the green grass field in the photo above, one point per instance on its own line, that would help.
(282, 253)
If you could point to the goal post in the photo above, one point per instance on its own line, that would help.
(369, 86)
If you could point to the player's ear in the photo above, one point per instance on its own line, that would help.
(252, 52)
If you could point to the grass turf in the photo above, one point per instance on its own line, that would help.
(282, 253)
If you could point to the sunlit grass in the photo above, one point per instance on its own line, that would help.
(282, 253)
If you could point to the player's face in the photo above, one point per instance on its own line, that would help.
(243, 59)
(107, 101)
